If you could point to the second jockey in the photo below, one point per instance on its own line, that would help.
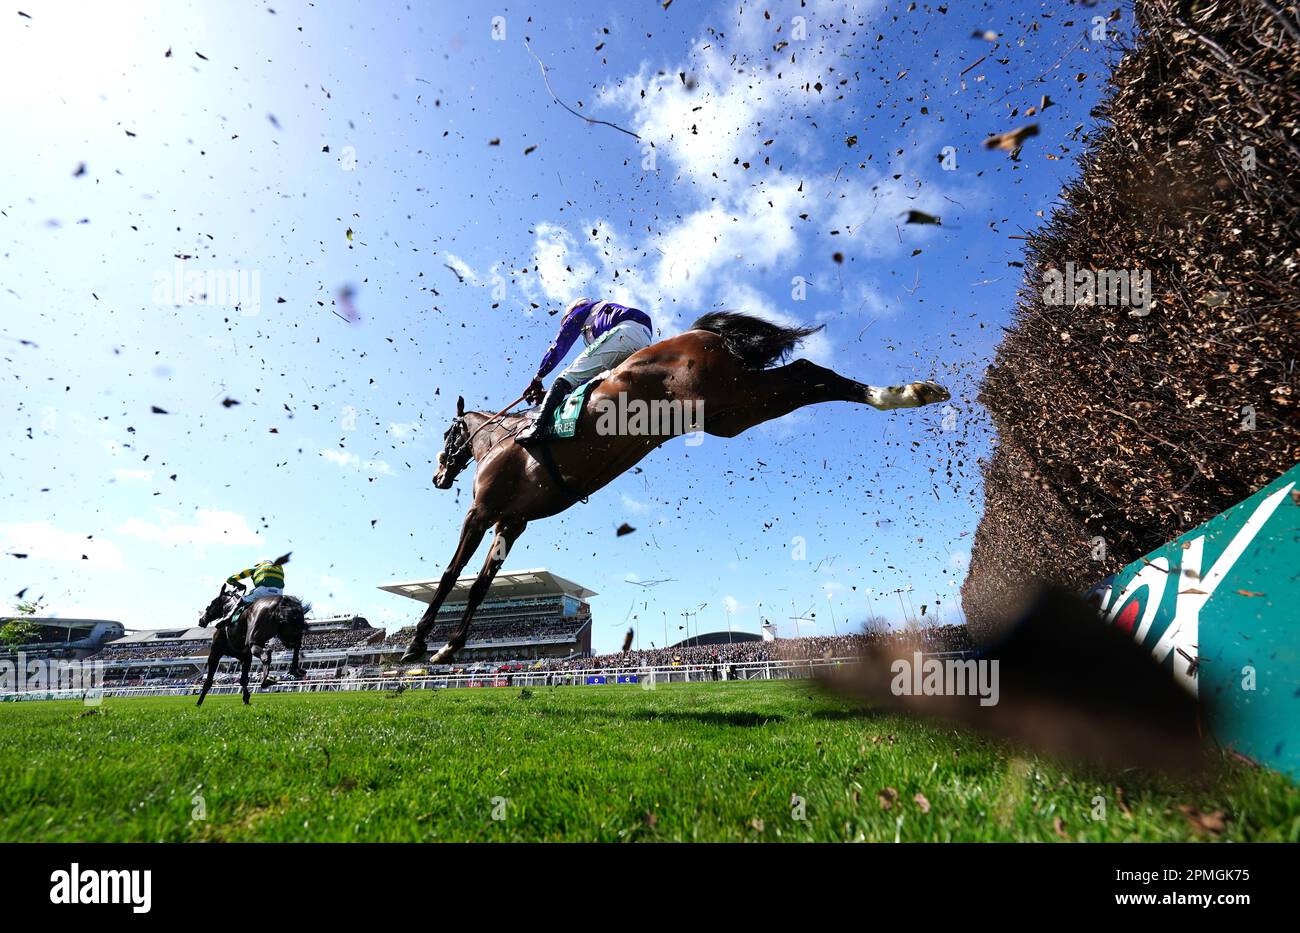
(267, 580)
(611, 332)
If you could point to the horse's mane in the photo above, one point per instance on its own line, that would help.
(490, 436)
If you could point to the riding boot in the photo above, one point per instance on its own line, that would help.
(554, 396)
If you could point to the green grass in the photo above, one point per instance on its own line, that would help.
(683, 762)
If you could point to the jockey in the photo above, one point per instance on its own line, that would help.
(612, 333)
(268, 580)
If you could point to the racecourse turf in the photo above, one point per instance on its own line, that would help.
(681, 762)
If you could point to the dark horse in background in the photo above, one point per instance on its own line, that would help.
(283, 617)
(720, 367)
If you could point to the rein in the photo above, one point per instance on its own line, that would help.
(469, 441)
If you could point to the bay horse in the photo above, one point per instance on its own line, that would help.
(720, 364)
(283, 617)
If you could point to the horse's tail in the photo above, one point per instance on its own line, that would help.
(756, 342)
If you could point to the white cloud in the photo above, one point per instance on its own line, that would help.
(209, 527)
(740, 92)
(347, 460)
(127, 475)
(719, 238)
(403, 431)
(42, 541)
(634, 506)
(464, 269)
(562, 273)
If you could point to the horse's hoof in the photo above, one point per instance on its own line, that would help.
(927, 393)
(415, 651)
(444, 655)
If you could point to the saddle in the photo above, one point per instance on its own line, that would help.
(235, 616)
(564, 424)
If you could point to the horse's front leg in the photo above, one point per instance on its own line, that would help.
(471, 535)
(245, 665)
(507, 531)
(214, 661)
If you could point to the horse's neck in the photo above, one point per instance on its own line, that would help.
(484, 440)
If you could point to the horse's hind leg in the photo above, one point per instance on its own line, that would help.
(825, 385)
(772, 393)
(912, 395)
(294, 667)
(265, 656)
(471, 535)
(507, 531)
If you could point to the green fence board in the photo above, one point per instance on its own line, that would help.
(1220, 608)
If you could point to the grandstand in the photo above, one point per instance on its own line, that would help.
(532, 622)
(527, 615)
(167, 656)
(65, 638)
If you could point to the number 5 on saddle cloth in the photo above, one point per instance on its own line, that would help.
(564, 424)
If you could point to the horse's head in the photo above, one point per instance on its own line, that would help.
(218, 608)
(456, 451)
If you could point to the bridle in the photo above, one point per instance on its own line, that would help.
(458, 457)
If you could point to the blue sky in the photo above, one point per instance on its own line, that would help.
(769, 147)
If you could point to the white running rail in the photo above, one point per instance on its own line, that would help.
(644, 676)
